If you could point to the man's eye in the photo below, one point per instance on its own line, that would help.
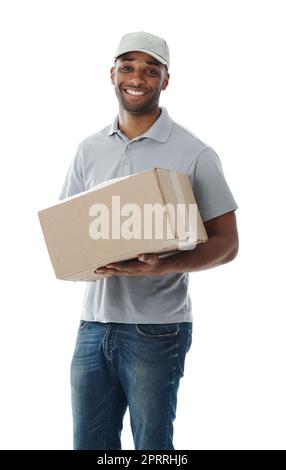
(152, 72)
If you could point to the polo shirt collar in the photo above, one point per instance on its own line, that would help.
(159, 131)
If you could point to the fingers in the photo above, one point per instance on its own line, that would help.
(141, 266)
(123, 266)
(108, 271)
(148, 259)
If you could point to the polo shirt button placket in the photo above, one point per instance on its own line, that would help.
(126, 161)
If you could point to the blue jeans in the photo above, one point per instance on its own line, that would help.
(116, 365)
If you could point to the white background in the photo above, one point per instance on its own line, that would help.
(227, 86)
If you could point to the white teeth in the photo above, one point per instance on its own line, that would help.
(133, 92)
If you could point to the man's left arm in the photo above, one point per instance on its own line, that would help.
(221, 247)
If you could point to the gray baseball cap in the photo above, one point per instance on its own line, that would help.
(144, 42)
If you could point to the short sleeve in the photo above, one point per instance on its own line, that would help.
(74, 181)
(212, 193)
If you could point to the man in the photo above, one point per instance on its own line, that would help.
(136, 324)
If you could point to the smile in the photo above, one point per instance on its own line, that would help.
(134, 95)
(130, 91)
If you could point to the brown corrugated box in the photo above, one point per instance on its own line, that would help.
(67, 225)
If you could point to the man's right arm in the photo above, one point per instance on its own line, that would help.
(74, 181)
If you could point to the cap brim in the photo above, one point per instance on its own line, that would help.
(153, 54)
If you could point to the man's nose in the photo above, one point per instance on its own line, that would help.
(137, 77)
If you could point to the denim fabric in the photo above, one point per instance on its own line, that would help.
(116, 365)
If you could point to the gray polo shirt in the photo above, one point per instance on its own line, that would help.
(109, 154)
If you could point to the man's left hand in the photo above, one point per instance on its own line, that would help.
(145, 265)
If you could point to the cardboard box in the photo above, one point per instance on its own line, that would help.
(78, 243)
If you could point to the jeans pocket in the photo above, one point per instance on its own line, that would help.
(157, 330)
(82, 324)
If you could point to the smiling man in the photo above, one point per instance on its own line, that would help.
(136, 324)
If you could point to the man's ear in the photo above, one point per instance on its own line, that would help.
(112, 73)
(165, 81)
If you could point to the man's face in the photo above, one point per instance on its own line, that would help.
(140, 73)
